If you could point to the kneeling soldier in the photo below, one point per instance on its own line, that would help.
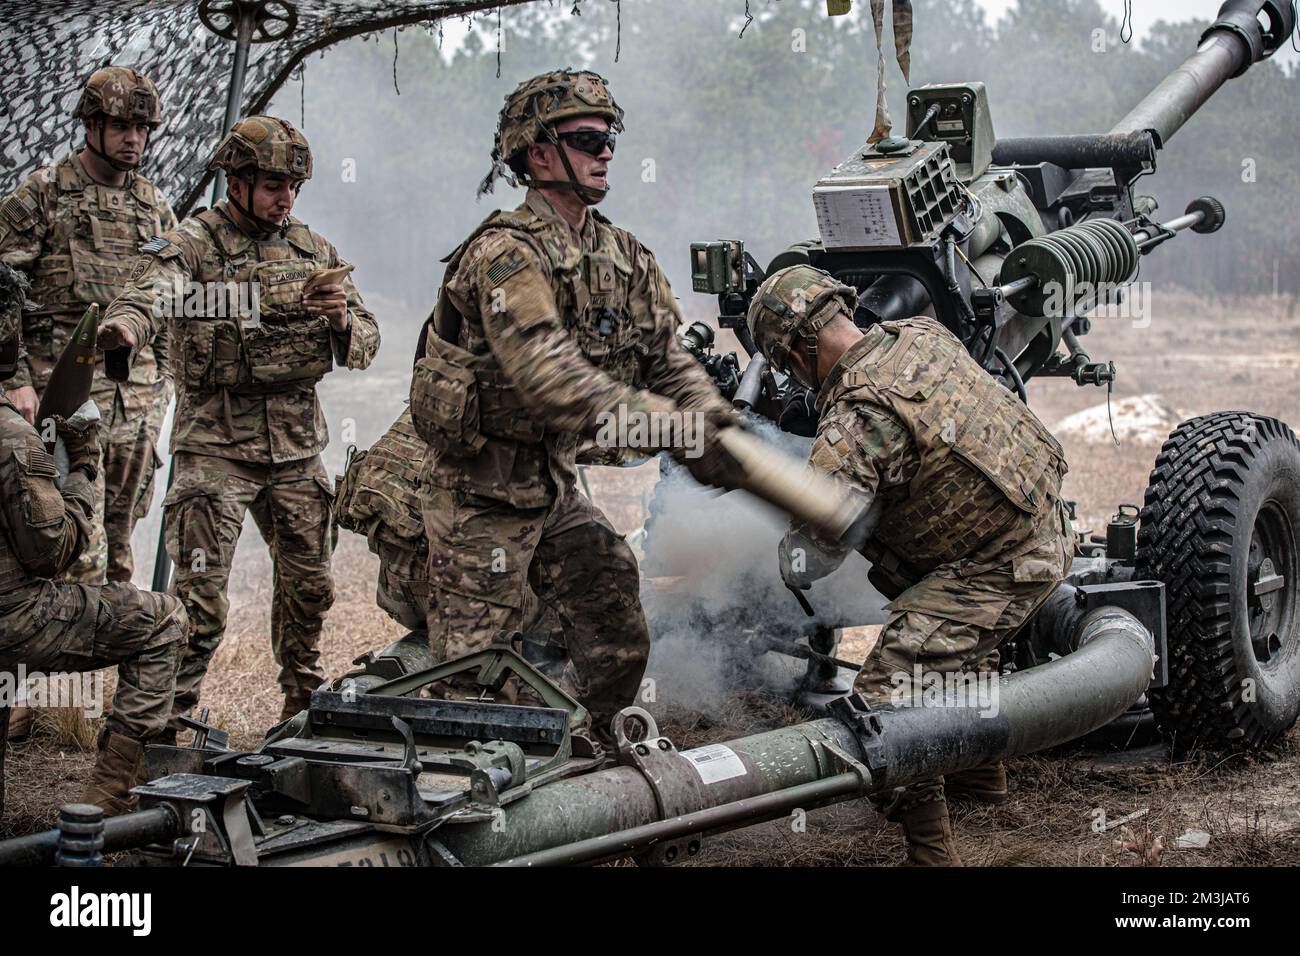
(971, 534)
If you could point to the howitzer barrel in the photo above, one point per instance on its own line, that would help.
(617, 811)
(1233, 43)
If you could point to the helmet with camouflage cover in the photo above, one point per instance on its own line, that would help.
(793, 303)
(121, 93)
(13, 297)
(267, 143)
(533, 108)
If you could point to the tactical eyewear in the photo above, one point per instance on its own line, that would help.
(590, 141)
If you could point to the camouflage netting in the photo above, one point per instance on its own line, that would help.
(47, 50)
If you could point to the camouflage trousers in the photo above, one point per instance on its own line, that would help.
(949, 622)
(403, 588)
(128, 461)
(495, 568)
(203, 515)
(403, 593)
(61, 626)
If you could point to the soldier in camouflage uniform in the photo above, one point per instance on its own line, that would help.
(76, 227)
(249, 429)
(549, 318)
(54, 626)
(971, 535)
(378, 496)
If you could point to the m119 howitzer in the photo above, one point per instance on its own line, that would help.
(1010, 245)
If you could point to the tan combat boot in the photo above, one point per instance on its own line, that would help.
(119, 766)
(929, 835)
(981, 785)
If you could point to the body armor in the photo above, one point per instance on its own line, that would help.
(33, 464)
(378, 495)
(461, 397)
(94, 236)
(282, 344)
(987, 463)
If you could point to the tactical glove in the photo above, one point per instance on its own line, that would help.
(804, 561)
(704, 456)
(79, 436)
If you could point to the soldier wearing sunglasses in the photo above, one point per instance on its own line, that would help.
(550, 320)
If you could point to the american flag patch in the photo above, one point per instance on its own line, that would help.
(20, 211)
(503, 269)
(40, 462)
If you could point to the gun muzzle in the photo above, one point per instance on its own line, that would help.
(784, 482)
(70, 381)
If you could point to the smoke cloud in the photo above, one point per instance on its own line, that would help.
(712, 590)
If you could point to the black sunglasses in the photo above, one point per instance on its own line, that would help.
(590, 141)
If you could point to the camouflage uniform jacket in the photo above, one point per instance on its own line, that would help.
(556, 327)
(965, 473)
(246, 388)
(42, 528)
(77, 240)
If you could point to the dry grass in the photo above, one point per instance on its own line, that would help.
(1198, 355)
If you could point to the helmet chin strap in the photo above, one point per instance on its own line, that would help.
(588, 194)
(265, 225)
(808, 357)
(119, 165)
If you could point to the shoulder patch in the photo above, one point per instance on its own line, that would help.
(20, 211)
(504, 268)
(158, 246)
(35, 460)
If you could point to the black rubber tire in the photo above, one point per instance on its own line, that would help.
(1225, 495)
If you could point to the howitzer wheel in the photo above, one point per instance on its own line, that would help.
(1219, 527)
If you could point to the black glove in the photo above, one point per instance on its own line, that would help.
(799, 413)
(706, 459)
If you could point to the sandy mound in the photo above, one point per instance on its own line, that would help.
(1146, 419)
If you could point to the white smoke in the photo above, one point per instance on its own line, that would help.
(711, 573)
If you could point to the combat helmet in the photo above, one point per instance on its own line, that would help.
(268, 144)
(793, 303)
(13, 297)
(531, 112)
(118, 92)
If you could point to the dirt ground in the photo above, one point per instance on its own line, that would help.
(1183, 357)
